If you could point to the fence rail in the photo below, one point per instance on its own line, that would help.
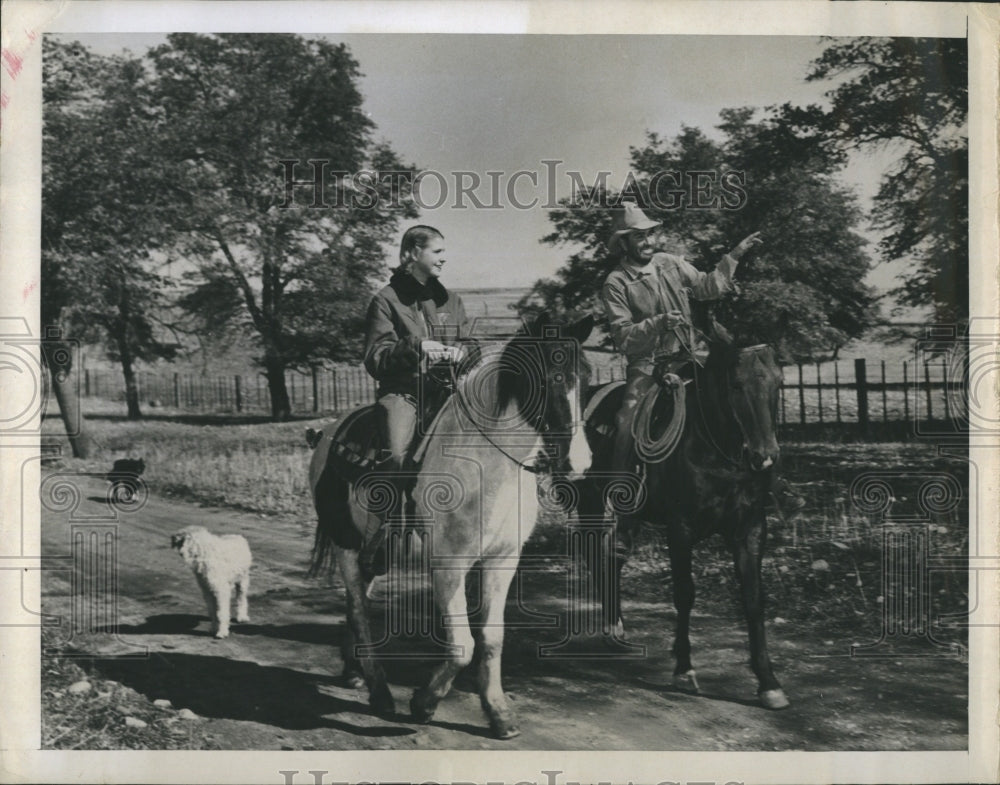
(322, 390)
(855, 392)
(870, 394)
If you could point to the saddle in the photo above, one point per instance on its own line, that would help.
(356, 445)
(605, 401)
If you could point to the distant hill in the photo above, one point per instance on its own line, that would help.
(491, 301)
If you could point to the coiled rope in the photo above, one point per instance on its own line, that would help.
(648, 448)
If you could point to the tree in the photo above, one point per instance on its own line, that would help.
(803, 291)
(237, 109)
(910, 95)
(101, 227)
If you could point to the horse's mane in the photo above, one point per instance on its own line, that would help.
(722, 345)
(514, 381)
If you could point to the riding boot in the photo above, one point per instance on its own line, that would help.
(373, 557)
(397, 423)
(623, 457)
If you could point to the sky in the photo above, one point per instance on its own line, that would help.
(506, 103)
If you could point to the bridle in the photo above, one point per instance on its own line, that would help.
(542, 428)
(738, 464)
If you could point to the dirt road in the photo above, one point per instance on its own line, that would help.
(274, 683)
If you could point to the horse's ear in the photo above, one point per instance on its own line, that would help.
(703, 317)
(580, 330)
(536, 325)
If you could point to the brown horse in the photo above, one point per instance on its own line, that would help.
(475, 495)
(717, 481)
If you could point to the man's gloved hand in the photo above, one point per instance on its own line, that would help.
(438, 352)
(671, 319)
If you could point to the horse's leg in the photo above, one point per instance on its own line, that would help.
(619, 556)
(379, 696)
(353, 674)
(495, 586)
(747, 556)
(683, 580)
(605, 565)
(449, 601)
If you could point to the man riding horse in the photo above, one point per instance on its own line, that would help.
(646, 300)
(412, 323)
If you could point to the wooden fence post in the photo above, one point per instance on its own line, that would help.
(819, 393)
(336, 397)
(315, 389)
(927, 387)
(944, 387)
(239, 392)
(906, 393)
(802, 398)
(177, 391)
(861, 383)
(836, 388)
(885, 413)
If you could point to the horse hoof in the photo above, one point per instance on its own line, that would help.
(773, 699)
(687, 682)
(419, 708)
(620, 630)
(354, 681)
(504, 728)
(382, 702)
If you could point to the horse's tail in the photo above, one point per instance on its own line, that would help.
(321, 559)
(331, 497)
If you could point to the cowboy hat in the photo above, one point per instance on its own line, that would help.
(628, 219)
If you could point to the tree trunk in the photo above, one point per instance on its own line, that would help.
(281, 407)
(59, 360)
(131, 392)
(131, 387)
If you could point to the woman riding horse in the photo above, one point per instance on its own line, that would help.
(407, 326)
(474, 495)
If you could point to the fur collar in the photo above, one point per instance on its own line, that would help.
(411, 291)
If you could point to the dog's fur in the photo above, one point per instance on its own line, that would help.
(221, 565)
(134, 466)
(313, 436)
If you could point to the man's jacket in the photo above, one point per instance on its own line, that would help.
(400, 316)
(636, 299)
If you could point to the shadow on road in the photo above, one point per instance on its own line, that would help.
(185, 624)
(163, 624)
(238, 690)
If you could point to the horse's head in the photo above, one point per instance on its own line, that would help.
(546, 371)
(753, 384)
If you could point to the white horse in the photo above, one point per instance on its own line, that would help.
(476, 495)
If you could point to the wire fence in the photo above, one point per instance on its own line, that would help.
(321, 390)
(868, 393)
(856, 392)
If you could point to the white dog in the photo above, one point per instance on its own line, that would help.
(222, 567)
